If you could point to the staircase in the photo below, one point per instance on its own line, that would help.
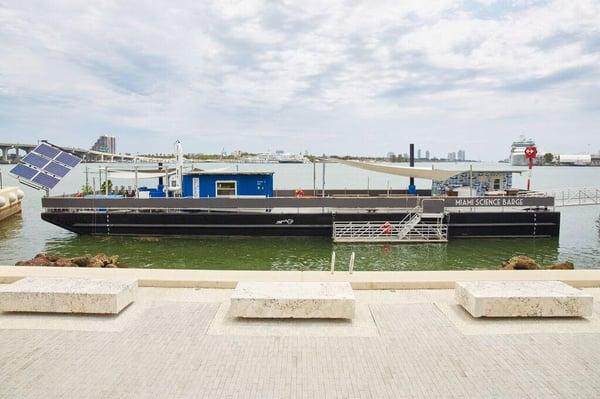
(414, 227)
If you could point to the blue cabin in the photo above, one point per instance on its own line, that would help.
(227, 184)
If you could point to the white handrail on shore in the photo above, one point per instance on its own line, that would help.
(575, 197)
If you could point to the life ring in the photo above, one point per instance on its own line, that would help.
(386, 228)
(299, 193)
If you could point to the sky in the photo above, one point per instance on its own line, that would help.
(334, 77)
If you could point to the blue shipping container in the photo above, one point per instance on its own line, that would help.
(196, 185)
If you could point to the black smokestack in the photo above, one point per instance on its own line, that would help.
(160, 179)
(412, 161)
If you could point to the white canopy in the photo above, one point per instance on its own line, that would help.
(431, 174)
(141, 174)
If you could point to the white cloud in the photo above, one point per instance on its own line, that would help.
(256, 74)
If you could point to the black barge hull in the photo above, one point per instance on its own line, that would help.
(216, 223)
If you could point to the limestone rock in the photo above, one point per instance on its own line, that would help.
(81, 261)
(105, 259)
(99, 260)
(95, 262)
(520, 262)
(64, 262)
(563, 265)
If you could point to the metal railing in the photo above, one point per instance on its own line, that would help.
(576, 197)
(410, 229)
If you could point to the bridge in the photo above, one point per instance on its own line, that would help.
(19, 149)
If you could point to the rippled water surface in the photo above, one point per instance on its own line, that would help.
(21, 237)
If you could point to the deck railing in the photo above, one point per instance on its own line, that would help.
(411, 229)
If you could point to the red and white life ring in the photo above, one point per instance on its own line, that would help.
(386, 228)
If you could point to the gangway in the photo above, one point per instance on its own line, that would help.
(575, 197)
(416, 226)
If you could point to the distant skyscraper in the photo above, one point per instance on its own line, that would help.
(451, 156)
(419, 153)
(427, 154)
(106, 144)
(461, 155)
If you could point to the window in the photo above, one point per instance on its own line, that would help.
(226, 188)
(496, 184)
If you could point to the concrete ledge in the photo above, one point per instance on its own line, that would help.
(296, 300)
(522, 299)
(67, 295)
(179, 278)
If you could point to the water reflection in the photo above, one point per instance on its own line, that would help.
(11, 226)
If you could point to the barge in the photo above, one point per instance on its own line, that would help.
(225, 203)
(374, 218)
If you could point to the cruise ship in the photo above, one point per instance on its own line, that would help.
(517, 151)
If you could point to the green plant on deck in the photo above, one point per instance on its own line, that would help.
(103, 186)
(86, 189)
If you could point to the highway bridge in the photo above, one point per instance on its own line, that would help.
(12, 152)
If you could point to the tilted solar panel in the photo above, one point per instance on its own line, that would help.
(56, 169)
(45, 165)
(24, 171)
(35, 160)
(47, 150)
(45, 180)
(68, 159)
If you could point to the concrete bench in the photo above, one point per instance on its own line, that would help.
(293, 300)
(522, 299)
(67, 295)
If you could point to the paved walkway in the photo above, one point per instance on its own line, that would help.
(180, 343)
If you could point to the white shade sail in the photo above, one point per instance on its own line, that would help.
(431, 174)
(141, 174)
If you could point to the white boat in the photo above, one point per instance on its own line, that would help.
(517, 151)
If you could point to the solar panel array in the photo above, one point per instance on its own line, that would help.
(45, 165)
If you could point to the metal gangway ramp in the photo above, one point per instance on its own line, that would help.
(575, 197)
(424, 224)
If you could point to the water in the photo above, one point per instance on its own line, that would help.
(22, 237)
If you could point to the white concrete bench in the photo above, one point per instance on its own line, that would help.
(522, 299)
(293, 300)
(67, 295)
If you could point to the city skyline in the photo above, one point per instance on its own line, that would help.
(328, 80)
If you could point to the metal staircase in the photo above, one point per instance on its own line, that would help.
(414, 227)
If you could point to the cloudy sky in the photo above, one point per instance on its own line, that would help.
(335, 77)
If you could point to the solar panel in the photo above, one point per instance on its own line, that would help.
(68, 159)
(35, 160)
(45, 165)
(47, 150)
(24, 171)
(45, 180)
(57, 169)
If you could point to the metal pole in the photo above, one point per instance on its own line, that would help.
(1, 184)
(314, 177)
(323, 193)
(137, 194)
(87, 181)
(94, 185)
(332, 262)
(529, 174)
(351, 265)
(99, 181)
(471, 180)
(106, 181)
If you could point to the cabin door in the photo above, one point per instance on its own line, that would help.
(196, 187)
